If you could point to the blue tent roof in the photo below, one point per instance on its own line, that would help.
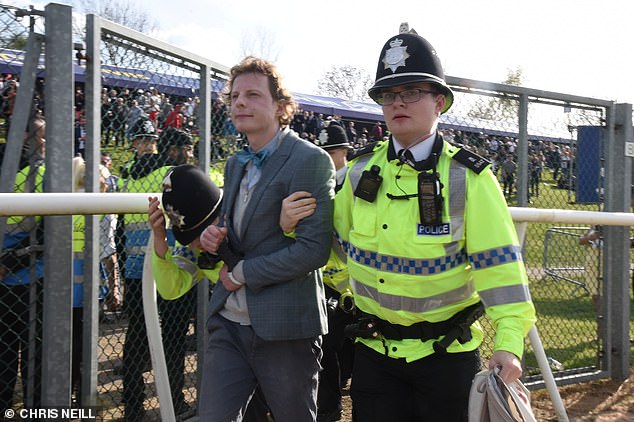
(11, 61)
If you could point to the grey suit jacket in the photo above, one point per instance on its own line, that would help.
(284, 289)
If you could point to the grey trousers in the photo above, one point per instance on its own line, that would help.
(237, 361)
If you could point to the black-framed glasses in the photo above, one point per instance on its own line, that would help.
(407, 96)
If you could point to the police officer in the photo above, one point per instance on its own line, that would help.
(337, 349)
(176, 146)
(22, 280)
(145, 174)
(428, 236)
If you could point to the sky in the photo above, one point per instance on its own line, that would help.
(576, 47)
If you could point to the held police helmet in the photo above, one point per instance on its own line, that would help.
(409, 58)
(191, 200)
(143, 128)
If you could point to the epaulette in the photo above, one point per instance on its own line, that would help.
(363, 151)
(471, 160)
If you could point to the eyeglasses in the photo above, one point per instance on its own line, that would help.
(407, 96)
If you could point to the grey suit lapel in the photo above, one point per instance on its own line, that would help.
(232, 189)
(270, 168)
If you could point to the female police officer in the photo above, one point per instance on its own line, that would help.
(428, 236)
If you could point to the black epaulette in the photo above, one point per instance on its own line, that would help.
(362, 151)
(471, 160)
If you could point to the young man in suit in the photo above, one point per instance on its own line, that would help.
(268, 311)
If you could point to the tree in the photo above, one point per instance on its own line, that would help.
(345, 82)
(260, 44)
(502, 108)
(123, 12)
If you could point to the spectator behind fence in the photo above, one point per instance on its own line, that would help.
(268, 311)
(20, 317)
(7, 102)
(428, 237)
(107, 249)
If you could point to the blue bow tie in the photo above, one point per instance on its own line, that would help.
(247, 154)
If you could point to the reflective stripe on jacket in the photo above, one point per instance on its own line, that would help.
(137, 229)
(405, 272)
(18, 227)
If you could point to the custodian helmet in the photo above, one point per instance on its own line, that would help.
(409, 58)
(191, 200)
(143, 128)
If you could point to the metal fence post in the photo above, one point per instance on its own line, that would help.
(57, 320)
(617, 248)
(522, 152)
(91, 280)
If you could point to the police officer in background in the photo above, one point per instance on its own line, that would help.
(337, 349)
(145, 174)
(428, 237)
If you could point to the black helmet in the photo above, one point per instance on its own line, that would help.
(332, 136)
(143, 128)
(172, 136)
(191, 201)
(409, 58)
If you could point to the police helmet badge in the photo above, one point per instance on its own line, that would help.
(148, 127)
(323, 138)
(175, 217)
(396, 55)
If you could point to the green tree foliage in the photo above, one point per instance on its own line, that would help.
(345, 82)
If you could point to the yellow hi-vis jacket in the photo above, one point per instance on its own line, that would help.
(404, 272)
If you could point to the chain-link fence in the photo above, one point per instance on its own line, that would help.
(151, 115)
(562, 166)
(21, 262)
(151, 109)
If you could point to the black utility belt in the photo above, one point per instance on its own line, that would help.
(421, 330)
(458, 326)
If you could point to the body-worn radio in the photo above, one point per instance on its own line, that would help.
(429, 198)
(369, 184)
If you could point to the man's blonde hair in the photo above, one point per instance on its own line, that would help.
(251, 64)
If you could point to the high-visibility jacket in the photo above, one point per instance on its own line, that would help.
(146, 174)
(18, 227)
(405, 272)
(179, 271)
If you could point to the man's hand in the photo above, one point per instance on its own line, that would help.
(212, 237)
(223, 276)
(510, 365)
(295, 207)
